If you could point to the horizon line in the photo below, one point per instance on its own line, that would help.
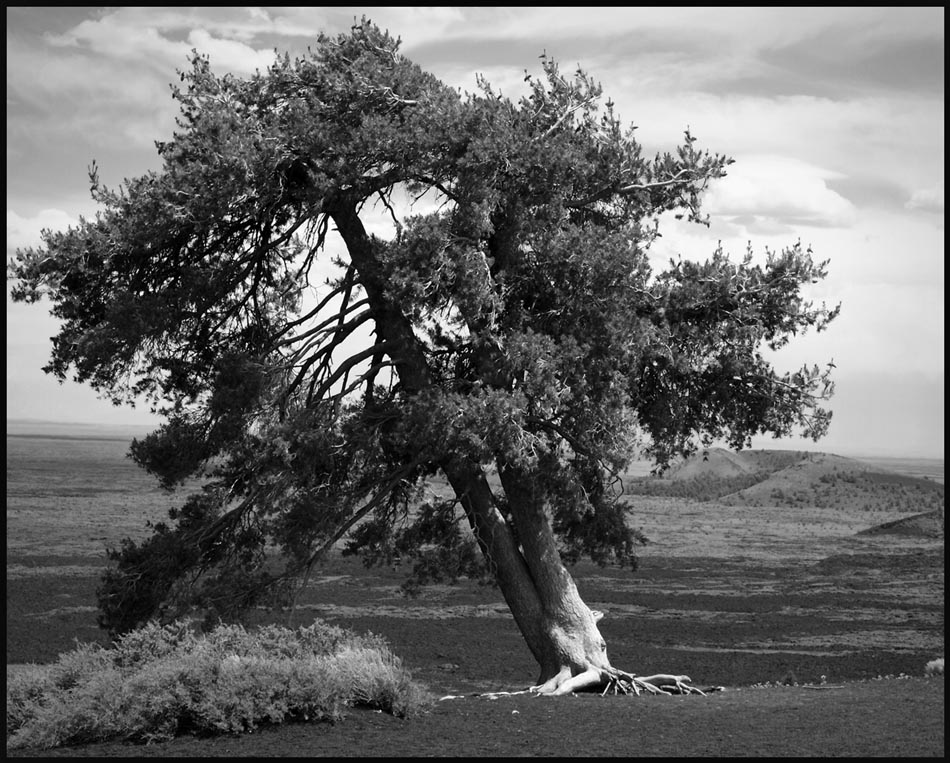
(808, 446)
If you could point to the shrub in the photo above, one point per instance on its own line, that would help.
(703, 488)
(161, 681)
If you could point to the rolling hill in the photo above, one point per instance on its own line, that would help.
(926, 525)
(792, 478)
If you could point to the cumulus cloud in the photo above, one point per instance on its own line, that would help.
(163, 38)
(250, 23)
(927, 199)
(232, 55)
(113, 37)
(777, 191)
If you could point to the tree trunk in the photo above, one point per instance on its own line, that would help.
(571, 643)
(559, 629)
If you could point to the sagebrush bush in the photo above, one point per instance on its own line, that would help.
(161, 681)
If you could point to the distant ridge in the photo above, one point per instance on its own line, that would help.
(788, 478)
(69, 429)
(719, 462)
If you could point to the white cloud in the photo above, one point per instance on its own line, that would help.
(414, 24)
(927, 199)
(780, 190)
(163, 38)
(111, 37)
(229, 54)
(250, 22)
(25, 231)
(861, 136)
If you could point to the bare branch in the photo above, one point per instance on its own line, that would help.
(323, 356)
(345, 367)
(550, 131)
(660, 184)
(610, 190)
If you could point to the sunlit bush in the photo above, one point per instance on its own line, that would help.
(162, 681)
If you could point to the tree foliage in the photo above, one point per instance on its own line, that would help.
(512, 324)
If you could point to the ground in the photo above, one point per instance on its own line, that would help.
(755, 627)
(806, 622)
(892, 718)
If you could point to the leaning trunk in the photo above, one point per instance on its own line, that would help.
(570, 641)
(560, 629)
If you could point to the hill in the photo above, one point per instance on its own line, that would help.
(787, 478)
(718, 463)
(926, 525)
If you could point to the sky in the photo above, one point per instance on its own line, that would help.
(834, 117)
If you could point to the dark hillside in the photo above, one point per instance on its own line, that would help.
(792, 478)
(926, 525)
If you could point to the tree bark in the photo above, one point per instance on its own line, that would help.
(571, 642)
(558, 627)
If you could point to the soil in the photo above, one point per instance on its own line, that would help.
(890, 718)
(817, 633)
(800, 651)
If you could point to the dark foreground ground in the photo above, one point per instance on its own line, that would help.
(888, 718)
(805, 622)
(801, 646)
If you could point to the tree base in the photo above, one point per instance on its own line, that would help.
(606, 681)
(613, 680)
(621, 682)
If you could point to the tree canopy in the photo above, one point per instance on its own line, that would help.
(510, 337)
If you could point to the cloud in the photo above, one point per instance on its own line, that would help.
(162, 39)
(927, 199)
(58, 97)
(25, 231)
(869, 191)
(113, 38)
(762, 28)
(872, 55)
(751, 50)
(247, 23)
(780, 191)
(229, 54)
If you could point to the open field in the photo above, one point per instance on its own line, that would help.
(755, 599)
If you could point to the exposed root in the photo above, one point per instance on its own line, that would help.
(607, 681)
(621, 682)
(565, 683)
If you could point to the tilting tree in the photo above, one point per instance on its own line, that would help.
(505, 334)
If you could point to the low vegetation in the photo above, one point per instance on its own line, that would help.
(934, 667)
(792, 479)
(163, 681)
(708, 487)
